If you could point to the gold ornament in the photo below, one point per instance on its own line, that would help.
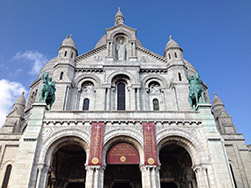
(150, 161)
(122, 159)
(95, 160)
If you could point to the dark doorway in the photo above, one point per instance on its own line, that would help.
(122, 176)
(121, 185)
(176, 166)
(75, 185)
(168, 185)
(68, 166)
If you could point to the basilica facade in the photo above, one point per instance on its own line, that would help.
(121, 119)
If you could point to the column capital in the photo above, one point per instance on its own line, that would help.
(149, 167)
(94, 167)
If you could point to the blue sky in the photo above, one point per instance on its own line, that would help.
(215, 36)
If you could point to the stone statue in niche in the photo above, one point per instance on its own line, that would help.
(154, 88)
(121, 50)
(88, 87)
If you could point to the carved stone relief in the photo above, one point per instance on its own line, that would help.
(97, 58)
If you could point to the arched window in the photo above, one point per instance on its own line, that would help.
(86, 104)
(65, 53)
(169, 56)
(175, 54)
(121, 96)
(72, 55)
(61, 76)
(155, 104)
(6, 176)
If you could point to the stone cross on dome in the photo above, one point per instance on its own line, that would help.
(119, 18)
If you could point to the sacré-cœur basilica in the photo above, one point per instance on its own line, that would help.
(121, 116)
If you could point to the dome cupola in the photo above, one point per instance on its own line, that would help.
(217, 101)
(20, 104)
(173, 51)
(21, 100)
(68, 42)
(68, 48)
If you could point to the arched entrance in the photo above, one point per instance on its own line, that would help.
(68, 167)
(122, 170)
(176, 171)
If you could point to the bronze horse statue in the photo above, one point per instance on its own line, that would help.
(195, 90)
(47, 90)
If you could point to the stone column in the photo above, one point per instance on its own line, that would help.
(150, 176)
(44, 176)
(155, 176)
(133, 98)
(132, 44)
(201, 176)
(108, 99)
(89, 177)
(39, 171)
(145, 176)
(197, 174)
(138, 99)
(109, 56)
(94, 177)
(79, 90)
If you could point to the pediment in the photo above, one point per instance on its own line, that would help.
(95, 56)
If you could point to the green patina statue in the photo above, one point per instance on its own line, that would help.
(196, 90)
(47, 90)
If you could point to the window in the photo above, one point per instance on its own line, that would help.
(232, 172)
(180, 79)
(175, 54)
(86, 104)
(6, 176)
(65, 53)
(121, 96)
(71, 55)
(169, 56)
(61, 76)
(155, 104)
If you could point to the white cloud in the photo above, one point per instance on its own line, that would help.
(38, 59)
(9, 92)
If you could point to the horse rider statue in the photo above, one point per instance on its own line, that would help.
(195, 90)
(47, 90)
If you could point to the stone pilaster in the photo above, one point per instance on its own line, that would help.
(220, 175)
(25, 172)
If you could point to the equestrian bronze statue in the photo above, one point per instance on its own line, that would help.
(195, 90)
(47, 90)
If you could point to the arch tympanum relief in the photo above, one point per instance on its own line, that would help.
(122, 164)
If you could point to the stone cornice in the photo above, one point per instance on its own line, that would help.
(120, 120)
(96, 70)
(153, 70)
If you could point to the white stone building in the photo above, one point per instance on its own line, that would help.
(121, 118)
